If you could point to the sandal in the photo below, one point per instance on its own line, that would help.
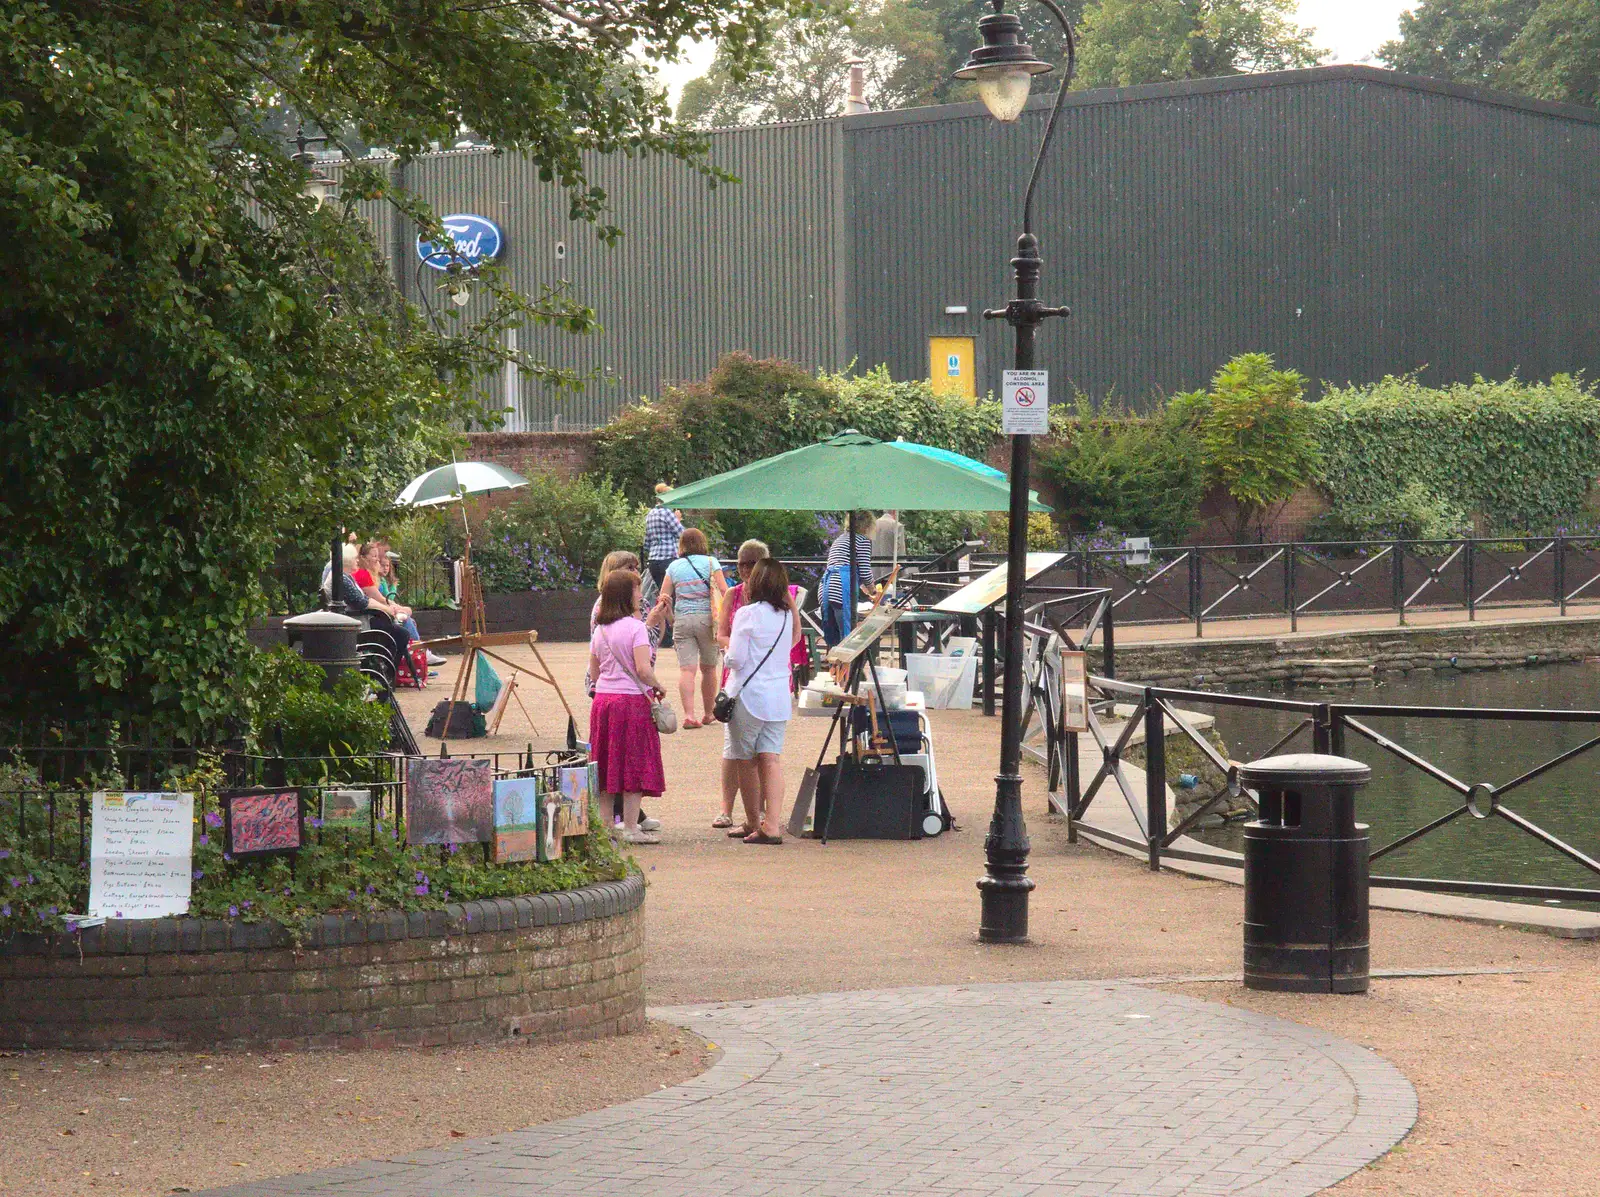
(691, 724)
(761, 837)
(739, 833)
(722, 821)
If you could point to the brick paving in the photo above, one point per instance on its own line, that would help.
(1071, 1087)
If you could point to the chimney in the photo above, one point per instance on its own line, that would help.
(856, 101)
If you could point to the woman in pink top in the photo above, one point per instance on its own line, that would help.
(623, 740)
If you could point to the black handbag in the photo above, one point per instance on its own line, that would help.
(722, 705)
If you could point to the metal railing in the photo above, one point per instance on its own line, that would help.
(50, 819)
(1207, 583)
(1328, 727)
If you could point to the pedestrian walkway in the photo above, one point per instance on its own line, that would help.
(1072, 1087)
(1310, 626)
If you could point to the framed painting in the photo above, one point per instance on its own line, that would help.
(449, 800)
(516, 819)
(351, 809)
(264, 821)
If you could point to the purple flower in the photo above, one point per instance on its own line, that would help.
(227, 858)
(213, 819)
(199, 873)
(4, 852)
(53, 909)
(247, 905)
(421, 890)
(316, 822)
(233, 912)
(454, 848)
(72, 924)
(30, 878)
(372, 889)
(204, 840)
(5, 912)
(16, 883)
(421, 876)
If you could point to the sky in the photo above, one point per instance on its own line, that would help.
(1351, 30)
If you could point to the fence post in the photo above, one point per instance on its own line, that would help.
(988, 661)
(1335, 730)
(1155, 777)
(1322, 729)
(1398, 573)
(1108, 640)
(1466, 576)
(1074, 785)
(1561, 573)
(1194, 592)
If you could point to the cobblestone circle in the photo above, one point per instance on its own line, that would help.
(1083, 1087)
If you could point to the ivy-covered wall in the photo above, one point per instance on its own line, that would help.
(1523, 455)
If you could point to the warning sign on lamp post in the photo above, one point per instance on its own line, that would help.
(1025, 403)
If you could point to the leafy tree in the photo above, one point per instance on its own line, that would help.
(1127, 42)
(1257, 434)
(1544, 48)
(196, 361)
(1464, 41)
(1557, 54)
(804, 71)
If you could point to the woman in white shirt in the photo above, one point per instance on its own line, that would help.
(765, 628)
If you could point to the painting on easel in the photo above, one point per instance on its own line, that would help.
(452, 483)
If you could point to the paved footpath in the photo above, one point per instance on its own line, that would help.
(1074, 1087)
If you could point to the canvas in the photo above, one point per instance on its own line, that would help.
(347, 808)
(516, 819)
(262, 822)
(449, 801)
(576, 786)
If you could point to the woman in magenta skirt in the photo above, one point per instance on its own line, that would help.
(623, 739)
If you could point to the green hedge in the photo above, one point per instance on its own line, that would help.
(749, 409)
(1521, 454)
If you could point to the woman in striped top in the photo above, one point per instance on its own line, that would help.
(836, 619)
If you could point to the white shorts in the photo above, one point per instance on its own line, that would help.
(743, 736)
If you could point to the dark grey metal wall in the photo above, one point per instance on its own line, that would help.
(1350, 221)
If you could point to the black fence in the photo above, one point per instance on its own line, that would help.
(1320, 727)
(1205, 583)
(45, 794)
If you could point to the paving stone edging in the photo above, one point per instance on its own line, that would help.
(544, 966)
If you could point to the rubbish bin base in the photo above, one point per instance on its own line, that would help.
(1308, 969)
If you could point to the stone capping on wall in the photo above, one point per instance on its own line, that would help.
(142, 936)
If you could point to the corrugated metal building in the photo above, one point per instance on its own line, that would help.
(1351, 221)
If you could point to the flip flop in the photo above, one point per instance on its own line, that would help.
(761, 837)
(739, 833)
(722, 821)
(691, 724)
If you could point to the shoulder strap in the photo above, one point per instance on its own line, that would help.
(771, 650)
(625, 662)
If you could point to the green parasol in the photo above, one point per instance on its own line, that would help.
(853, 471)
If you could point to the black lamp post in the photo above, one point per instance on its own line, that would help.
(1003, 67)
(318, 187)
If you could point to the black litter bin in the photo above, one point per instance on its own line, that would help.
(326, 639)
(1305, 876)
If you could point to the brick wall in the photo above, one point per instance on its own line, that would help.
(547, 967)
(566, 454)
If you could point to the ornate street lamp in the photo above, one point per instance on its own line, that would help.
(319, 188)
(1003, 68)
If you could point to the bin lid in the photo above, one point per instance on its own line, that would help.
(1303, 767)
(322, 619)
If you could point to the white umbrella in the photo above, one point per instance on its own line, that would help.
(445, 484)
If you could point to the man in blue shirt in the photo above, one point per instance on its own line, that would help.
(836, 618)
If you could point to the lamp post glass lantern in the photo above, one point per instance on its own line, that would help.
(1003, 67)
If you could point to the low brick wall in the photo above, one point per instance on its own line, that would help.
(546, 967)
(1237, 663)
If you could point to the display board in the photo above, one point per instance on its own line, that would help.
(1074, 691)
(865, 634)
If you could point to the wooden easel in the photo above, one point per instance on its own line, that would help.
(475, 639)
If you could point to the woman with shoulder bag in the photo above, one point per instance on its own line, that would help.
(692, 588)
(765, 628)
(623, 737)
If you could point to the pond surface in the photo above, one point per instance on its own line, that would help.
(1565, 802)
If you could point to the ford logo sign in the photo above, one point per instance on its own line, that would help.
(470, 241)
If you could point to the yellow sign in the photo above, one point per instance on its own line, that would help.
(951, 367)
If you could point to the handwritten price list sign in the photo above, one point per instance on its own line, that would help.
(140, 855)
